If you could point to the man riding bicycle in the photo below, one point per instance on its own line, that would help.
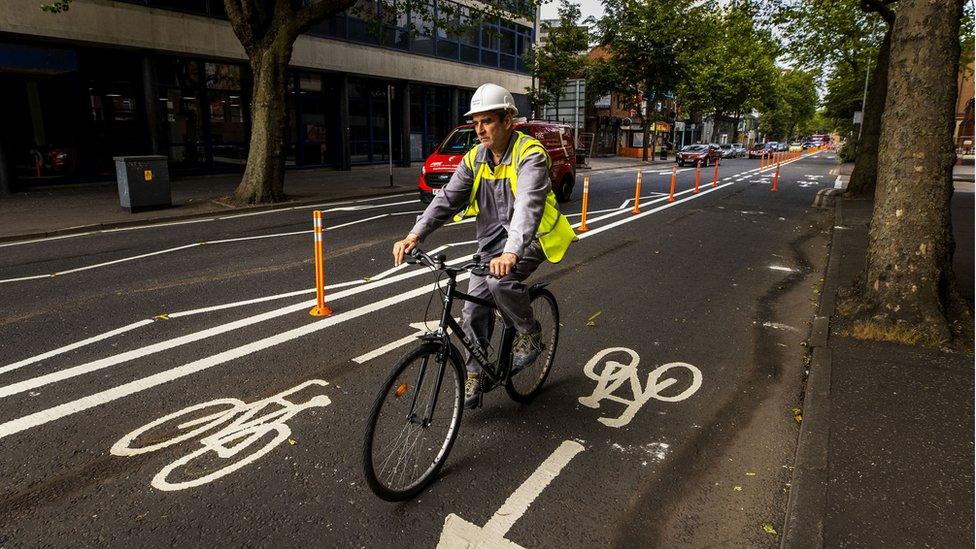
(504, 181)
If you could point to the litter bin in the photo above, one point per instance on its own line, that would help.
(143, 182)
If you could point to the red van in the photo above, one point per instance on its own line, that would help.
(556, 138)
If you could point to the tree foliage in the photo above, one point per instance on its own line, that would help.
(651, 44)
(562, 56)
(734, 71)
(795, 102)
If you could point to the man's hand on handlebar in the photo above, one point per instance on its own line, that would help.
(402, 247)
(502, 265)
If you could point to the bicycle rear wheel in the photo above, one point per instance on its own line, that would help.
(413, 423)
(524, 385)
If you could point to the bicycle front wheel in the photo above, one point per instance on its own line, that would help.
(524, 385)
(413, 423)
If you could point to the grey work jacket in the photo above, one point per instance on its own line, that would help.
(505, 223)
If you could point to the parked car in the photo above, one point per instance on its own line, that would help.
(698, 154)
(556, 138)
(796, 146)
(809, 145)
(727, 151)
(782, 146)
(760, 149)
(739, 149)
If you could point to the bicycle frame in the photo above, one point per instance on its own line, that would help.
(495, 370)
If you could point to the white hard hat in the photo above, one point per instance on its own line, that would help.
(492, 97)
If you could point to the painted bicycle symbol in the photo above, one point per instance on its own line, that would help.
(244, 438)
(614, 374)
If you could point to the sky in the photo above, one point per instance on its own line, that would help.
(550, 10)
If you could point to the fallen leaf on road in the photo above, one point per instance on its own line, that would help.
(797, 415)
(292, 441)
(768, 528)
(736, 488)
(591, 321)
(750, 474)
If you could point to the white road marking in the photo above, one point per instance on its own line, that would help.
(458, 532)
(245, 429)
(613, 375)
(63, 410)
(838, 184)
(79, 405)
(209, 242)
(93, 366)
(75, 345)
(218, 218)
(421, 327)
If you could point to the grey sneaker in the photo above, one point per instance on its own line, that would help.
(472, 390)
(526, 349)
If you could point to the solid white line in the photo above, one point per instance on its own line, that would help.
(609, 226)
(113, 360)
(202, 220)
(386, 348)
(187, 222)
(204, 243)
(75, 345)
(85, 403)
(63, 410)
(518, 503)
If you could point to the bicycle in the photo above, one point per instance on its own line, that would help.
(412, 395)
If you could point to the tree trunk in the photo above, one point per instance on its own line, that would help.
(909, 281)
(865, 174)
(646, 129)
(715, 122)
(264, 176)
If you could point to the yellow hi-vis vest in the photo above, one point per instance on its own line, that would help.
(554, 231)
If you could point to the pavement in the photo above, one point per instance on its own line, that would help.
(885, 453)
(65, 209)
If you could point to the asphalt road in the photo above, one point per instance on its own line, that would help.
(141, 323)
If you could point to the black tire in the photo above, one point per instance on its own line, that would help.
(380, 478)
(526, 384)
(566, 191)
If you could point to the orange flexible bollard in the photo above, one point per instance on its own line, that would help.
(715, 175)
(776, 179)
(674, 173)
(762, 161)
(586, 201)
(636, 210)
(320, 309)
(697, 174)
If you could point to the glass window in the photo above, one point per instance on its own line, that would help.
(471, 33)
(422, 21)
(506, 62)
(489, 58)
(469, 54)
(489, 37)
(459, 142)
(222, 76)
(508, 42)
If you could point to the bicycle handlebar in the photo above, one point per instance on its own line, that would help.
(476, 266)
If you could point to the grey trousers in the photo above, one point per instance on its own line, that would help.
(509, 295)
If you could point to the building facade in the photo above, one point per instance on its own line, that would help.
(111, 78)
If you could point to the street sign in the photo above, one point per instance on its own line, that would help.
(679, 126)
(858, 117)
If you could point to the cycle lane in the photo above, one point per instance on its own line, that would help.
(573, 281)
